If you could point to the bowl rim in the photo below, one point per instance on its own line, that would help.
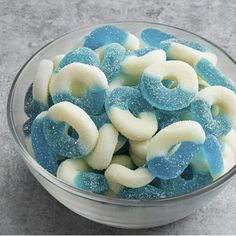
(93, 196)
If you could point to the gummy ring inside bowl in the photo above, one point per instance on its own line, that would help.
(57, 122)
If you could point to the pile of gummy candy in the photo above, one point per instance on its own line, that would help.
(135, 117)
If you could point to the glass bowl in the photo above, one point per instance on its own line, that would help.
(110, 211)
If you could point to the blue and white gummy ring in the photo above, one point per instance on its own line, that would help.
(77, 173)
(110, 34)
(162, 97)
(178, 51)
(44, 154)
(81, 84)
(171, 150)
(214, 109)
(59, 118)
(129, 113)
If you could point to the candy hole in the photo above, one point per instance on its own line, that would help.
(215, 110)
(78, 89)
(170, 82)
(72, 133)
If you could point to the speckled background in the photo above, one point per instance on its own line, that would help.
(25, 26)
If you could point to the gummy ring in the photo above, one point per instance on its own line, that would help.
(215, 157)
(86, 82)
(129, 178)
(81, 55)
(111, 56)
(77, 173)
(186, 51)
(129, 113)
(153, 37)
(134, 65)
(110, 34)
(171, 150)
(218, 100)
(56, 124)
(162, 97)
(44, 154)
(212, 75)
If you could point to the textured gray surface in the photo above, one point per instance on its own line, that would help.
(25, 26)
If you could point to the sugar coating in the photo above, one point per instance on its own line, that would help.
(127, 98)
(113, 55)
(179, 186)
(129, 112)
(110, 34)
(44, 154)
(56, 125)
(83, 55)
(172, 165)
(153, 37)
(91, 182)
(218, 125)
(212, 75)
(162, 97)
(166, 119)
(147, 192)
(213, 154)
(92, 102)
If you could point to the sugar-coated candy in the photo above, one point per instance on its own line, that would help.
(212, 75)
(90, 87)
(121, 142)
(129, 178)
(178, 51)
(125, 161)
(77, 173)
(171, 150)
(147, 192)
(44, 154)
(110, 34)
(81, 55)
(220, 122)
(153, 37)
(129, 113)
(111, 56)
(215, 157)
(164, 98)
(134, 65)
(56, 124)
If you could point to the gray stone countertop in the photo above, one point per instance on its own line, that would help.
(25, 26)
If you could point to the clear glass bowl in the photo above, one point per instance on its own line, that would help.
(110, 211)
